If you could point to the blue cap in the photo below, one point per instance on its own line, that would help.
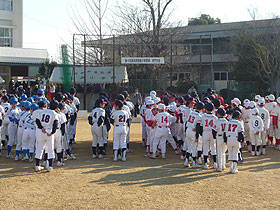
(22, 103)
(30, 99)
(13, 100)
(27, 105)
(35, 98)
(23, 97)
(40, 92)
(34, 106)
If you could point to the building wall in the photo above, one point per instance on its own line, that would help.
(12, 19)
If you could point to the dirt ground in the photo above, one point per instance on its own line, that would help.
(139, 183)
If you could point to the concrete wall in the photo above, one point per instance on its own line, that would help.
(14, 19)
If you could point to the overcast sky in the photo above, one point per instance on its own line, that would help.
(48, 24)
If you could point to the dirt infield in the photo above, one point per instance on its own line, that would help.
(139, 183)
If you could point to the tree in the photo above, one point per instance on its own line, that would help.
(258, 52)
(89, 20)
(46, 70)
(204, 19)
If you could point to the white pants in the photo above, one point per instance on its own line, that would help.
(28, 139)
(263, 137)
(221, 151)
(161, 135)
(144, 131)
(192, 145)
(208, 143)
(179, 130)
(255, 139)
(105, 134)
(97, 135)
(12, 131)
(5, 130)
(46, 143)
(171, 141)
(247, 132)
(19, 138)
(152, 138)
(58, 141)
(120, 133)
(233, 148)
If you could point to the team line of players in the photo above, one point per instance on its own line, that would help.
(199, 128)
(33, 125)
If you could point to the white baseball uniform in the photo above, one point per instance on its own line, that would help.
(29, 135)
(120, 118)
(233, 128)
(47, 118)
(256, 126)
(219, 127)
(12, 115)
(208, 142)
(21, 122)
(246, 118)
(265, 116)
(58, 141)
(162, 131)
(97, 130)
(193, 119)
(142, 113)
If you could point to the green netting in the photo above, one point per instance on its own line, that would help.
(146, 84)
(67, 74)
(239, 89)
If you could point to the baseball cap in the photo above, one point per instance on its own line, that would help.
(119, 103)
(40, 92)
(72, 90)
(154, 106)
(153, 93)
(161, 107)
(22, 103)
(252, 104)
(278, 100)
(257, 97)
(150, 102)
(255, 111)
(271, 97)
(157, 100)
(172, 108)
(13, 100)
(27, 105)
(23, 97)
(261, 101)
(34, 106)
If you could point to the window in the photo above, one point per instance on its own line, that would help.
(184, 76)
(6, 37)
(6, 5)
(223, 76)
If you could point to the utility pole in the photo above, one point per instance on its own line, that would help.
(85, 75)
(74, 70)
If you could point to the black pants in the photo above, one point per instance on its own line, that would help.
(136, 110)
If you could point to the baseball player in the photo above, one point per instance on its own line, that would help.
(264, 114)
(256, 128)
(189, 107)
(4, 134)
(162, 131)
(144, 131)
(234, 135)
(276, 122)
(96, 120)
(12, 115)
(193, 130)
(29, 134)
(130, 105)
(58, 135)
(47, 122)
(246, 118)
(208, 142)
(148, 113)
(119, 119)
(24, 106)
(218, 134)
(151, 123)
(76, 102)
(270, 105)
(2, 114)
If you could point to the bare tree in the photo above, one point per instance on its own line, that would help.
(258, 50)
(90, 21)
